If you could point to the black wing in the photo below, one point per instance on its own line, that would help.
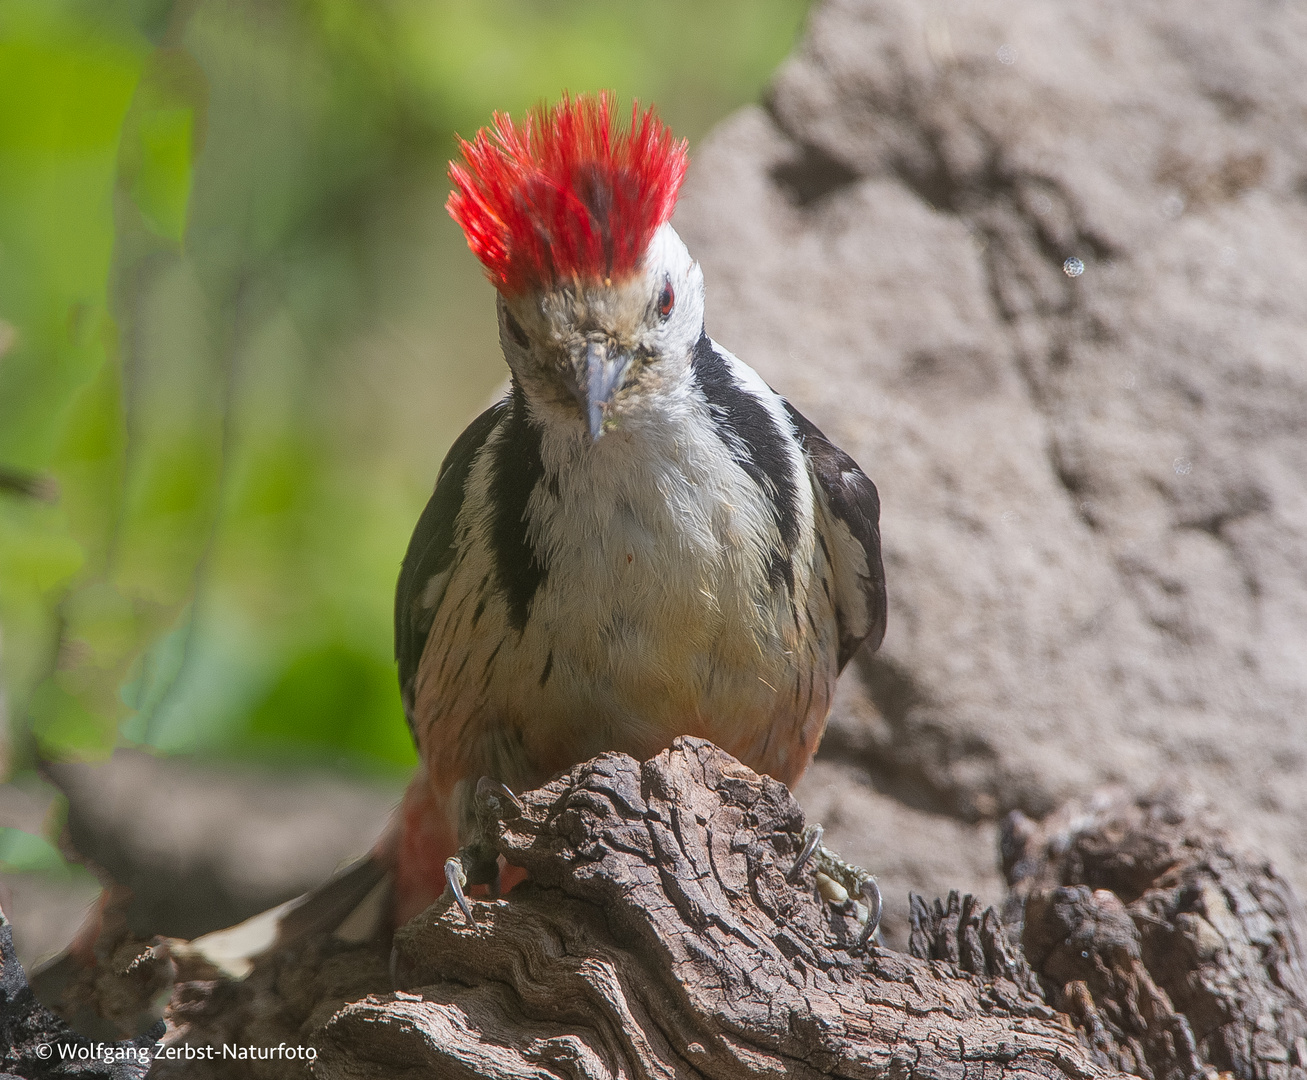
(854, 505)
(431, 550)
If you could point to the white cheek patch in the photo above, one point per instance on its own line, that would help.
(669, 260)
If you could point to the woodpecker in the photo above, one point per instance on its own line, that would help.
(641, 539)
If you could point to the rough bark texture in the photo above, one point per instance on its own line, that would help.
(109, 982)
(658, 937)
(1171, 950)
(35, 1044)
(974, 940)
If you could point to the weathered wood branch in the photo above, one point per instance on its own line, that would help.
(36, 1044)
(1174, 952)
(658, 937)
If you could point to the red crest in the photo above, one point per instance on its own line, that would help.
(565, 194)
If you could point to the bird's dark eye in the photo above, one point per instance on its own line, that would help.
(666, 300)
(515, 330)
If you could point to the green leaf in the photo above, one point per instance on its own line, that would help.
(163, 185)
(63, 95)
(161, 137)
(335, 698)
(68, 720)
(25, 853)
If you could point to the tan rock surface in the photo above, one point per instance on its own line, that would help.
(1094, 486)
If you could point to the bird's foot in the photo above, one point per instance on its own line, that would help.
(839, 881)
(477, 862)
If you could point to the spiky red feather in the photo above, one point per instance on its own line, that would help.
(565, 194)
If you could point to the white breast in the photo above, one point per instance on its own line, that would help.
(656, 616)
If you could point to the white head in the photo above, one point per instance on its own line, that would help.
(592, 354)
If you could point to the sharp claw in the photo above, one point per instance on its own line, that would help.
(811, 842)
(871, 894)
(836, 880)
(454, 878)
(491, 788)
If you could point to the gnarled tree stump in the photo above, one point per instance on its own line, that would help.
(658, 936)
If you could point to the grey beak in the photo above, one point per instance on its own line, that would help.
(604, 372)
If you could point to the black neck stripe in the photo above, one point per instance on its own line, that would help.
(752, 435)
(515, 470)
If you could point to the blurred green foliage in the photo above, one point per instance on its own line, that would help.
(25, 853)
(239, 333)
